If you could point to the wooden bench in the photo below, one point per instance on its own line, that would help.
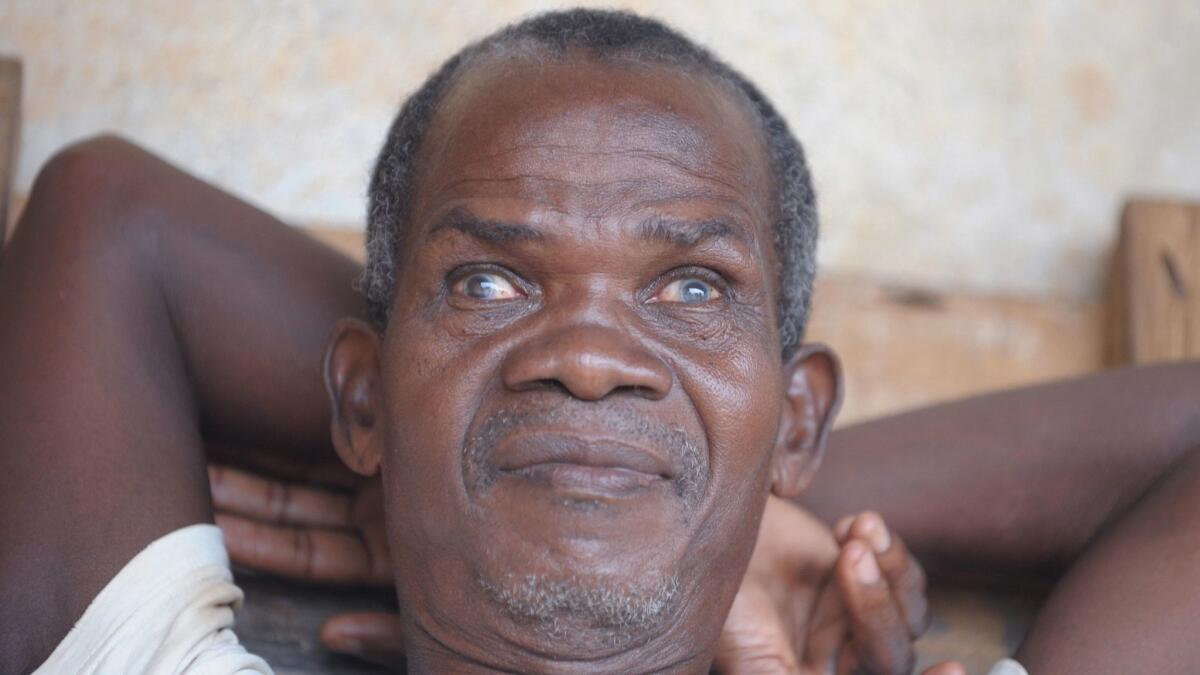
(10, 134)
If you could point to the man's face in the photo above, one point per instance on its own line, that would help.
(581, 384)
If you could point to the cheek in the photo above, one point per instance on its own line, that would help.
(432, 385)
(738, 398)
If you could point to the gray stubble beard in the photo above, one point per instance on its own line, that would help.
(615, 612)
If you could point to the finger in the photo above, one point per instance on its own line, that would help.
(306, 553)
(879, 633)
(275, 501)
(823, 636)
(842, 529)
(946, 668)
(327, 471)
(903, 573)
(377, 637)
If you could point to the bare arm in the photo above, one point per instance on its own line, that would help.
(139, 306)
(1019, 481)
(1099, 476)
(146, 311)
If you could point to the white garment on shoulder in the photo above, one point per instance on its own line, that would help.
(1007, 667)
(169, 611)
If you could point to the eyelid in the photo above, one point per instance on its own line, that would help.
(463, 272)
(717, 280)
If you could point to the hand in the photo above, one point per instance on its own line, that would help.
(312, 522)
(811, 604)
(303, 532)
(793, 599)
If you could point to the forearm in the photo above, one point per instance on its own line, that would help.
(139, 306)
(1017, 481)
(1129, 604)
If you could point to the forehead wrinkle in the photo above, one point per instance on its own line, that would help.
(637, 151)
(736, 194)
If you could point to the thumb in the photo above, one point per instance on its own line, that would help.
(377, 637)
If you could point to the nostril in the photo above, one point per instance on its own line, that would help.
(641, 391)
(587, 363)
(545, 384)
(552, 385)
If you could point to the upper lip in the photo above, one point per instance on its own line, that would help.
(526, 449)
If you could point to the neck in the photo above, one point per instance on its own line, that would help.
(425, 653)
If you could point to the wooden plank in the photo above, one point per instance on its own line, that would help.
(10, 125)
(280, 621)
(1154, 298)
(903, 348)
(976, 626)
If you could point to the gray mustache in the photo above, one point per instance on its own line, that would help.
(618, 420)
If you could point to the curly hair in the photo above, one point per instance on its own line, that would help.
(601, 34)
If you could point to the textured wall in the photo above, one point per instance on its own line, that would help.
(964, 144)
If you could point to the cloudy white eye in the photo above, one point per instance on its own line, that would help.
(486, 286)
(689, 291)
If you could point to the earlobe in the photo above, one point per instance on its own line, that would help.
(814, 395)
(352, 382)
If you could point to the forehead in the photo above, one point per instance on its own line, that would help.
(593, 137)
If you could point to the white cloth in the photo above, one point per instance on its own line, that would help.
(169, 611)
(1007, 667)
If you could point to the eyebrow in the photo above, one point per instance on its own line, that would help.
(486, 229)
(689, 233)
(678, 232)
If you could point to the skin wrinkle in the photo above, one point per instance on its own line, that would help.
(632, 182)
(591, 347)
(621, 420)
(716, 233)
(641, 49)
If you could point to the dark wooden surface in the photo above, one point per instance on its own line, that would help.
(280, 620)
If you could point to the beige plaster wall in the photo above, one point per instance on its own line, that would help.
(959, 144)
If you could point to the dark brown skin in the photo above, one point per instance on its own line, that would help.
(122, 261)
(162, 358)
(112, 366)
(559, 211)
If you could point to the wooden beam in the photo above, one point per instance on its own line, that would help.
(1154, 298)
(10, 126)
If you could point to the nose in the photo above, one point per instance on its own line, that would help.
(591, 362)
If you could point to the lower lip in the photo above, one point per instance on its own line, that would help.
(610, 480)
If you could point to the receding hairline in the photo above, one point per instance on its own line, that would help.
(534, 55)
(609, 35)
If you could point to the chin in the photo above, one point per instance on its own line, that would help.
(586, 615)
(581, 577)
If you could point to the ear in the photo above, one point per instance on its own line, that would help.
(352, 382)
(814, 395)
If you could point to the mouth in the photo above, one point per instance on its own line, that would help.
(574, 464)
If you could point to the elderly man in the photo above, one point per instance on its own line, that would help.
(590, 260)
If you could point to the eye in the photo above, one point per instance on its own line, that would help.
(486, 286)
(688, 291)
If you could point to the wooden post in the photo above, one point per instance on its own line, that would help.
(10, 125)
(1155, 293)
